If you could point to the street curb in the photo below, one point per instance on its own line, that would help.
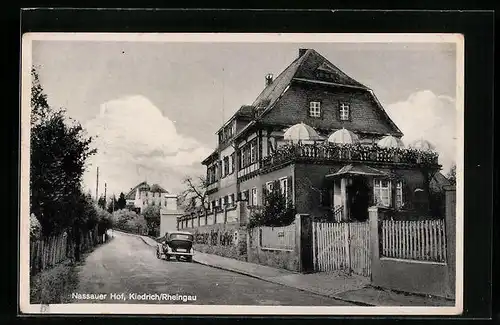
(359, 303)
(145, 242)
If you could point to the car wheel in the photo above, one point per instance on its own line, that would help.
(177, 257)
(189, 258)
(167, 257)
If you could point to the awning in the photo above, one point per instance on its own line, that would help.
(362, 170)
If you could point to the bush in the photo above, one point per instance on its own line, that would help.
(35, 227)
(152, 216)
(129, 221)
(276, 212)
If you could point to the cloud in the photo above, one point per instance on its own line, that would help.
(135, 142)
(429, 116)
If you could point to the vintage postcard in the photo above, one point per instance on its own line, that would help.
(227, 174)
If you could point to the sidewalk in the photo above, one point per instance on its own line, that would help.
(337, 285)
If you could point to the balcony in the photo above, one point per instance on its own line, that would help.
(249, 170)
(213, 187)
(347, 153)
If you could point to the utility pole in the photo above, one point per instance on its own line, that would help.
(105, 197)
(97, 186)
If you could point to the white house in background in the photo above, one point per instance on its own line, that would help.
(169, 213)
(144, 195)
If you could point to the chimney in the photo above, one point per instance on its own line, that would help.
(302, 52)
(269, 79)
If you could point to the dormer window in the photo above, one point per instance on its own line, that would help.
(344, 112)
(315, 109)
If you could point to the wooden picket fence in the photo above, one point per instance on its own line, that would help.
(423, 240)
(48, 252)
(342, 246)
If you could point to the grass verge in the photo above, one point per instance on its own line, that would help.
(54, 286)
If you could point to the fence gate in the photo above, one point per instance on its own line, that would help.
(342, 246)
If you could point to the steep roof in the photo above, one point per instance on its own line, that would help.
(309, 66)
(316, 66)
(144, 186)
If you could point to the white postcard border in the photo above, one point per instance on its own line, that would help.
(177, 309)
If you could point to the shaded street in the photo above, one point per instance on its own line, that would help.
(127, 265)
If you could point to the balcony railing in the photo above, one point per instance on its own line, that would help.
(213, 186)
(350, 153)
(248, 169)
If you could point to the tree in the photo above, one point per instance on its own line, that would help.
(113, 205)
(152, 216)
(452, 175)
(101, 202)
(194, 196)
(59, 150)
(276, 212)
(122, 202)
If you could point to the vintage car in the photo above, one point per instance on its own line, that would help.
(176, 243)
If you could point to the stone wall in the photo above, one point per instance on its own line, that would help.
(227, 240)
(284, 259)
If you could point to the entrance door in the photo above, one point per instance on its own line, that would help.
(358, 198)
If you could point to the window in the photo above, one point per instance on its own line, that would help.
(382, 192)
(231, 199)
(269, 187)
(399, 194)
(226, 166)
(254, 196)
(253, 151)
(232, 163)
(225, 200)
(315, 109)
(284, 187)
(344, 112)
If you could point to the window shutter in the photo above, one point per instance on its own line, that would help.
(321, 109)
(264, 193)
(289, 184)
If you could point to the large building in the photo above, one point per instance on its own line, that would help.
(325, 141)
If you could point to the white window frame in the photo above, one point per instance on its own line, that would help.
(253, 152)
(254, 196)
(344, 111)
(377, 192)
(284, 186)
(315, 109)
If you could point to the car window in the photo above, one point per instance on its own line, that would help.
(181, 237)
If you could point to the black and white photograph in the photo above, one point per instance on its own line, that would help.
(224, 173)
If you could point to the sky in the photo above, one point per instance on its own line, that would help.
(153, 107)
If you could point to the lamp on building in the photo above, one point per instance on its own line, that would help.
(301, 132)
(343, 136)
(390, 142)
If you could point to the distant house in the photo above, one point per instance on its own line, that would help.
(144, 195)
(324, 140)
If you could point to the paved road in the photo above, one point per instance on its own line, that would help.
(127, 265)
